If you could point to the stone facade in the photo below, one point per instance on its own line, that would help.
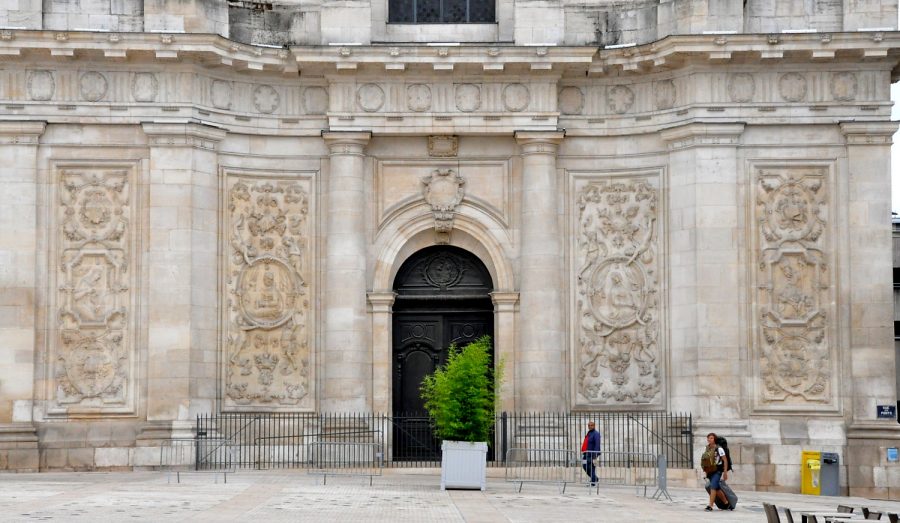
(696, 222)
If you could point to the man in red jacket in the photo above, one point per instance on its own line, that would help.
(590, 450)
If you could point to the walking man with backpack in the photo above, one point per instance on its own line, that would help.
(715, 464)
(590, 450)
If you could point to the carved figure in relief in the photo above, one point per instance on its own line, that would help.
(616, 285)
(795, 358)
(266, 340)
(92, 353)
(443, 190)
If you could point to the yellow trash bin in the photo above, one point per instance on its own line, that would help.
(810, 468)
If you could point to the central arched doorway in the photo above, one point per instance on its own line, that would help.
(442, 297)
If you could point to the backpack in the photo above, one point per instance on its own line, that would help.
(722, 442)
(708, 460)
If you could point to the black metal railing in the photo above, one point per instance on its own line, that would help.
(281, 440)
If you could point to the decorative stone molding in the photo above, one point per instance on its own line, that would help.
(270, 252)
(443, 146)
(195, 135)
(21, 133)
(703, 135)
(381, 301)
(505, 301)
(443, 190)
(94, 307)
(538, 142)
(346, 143)
(794, 287)
(620, 358)
(869, 133)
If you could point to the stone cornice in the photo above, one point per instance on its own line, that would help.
(505, 301)
(381, 301)
(36, 46)
(21, 132)
(869, 133)
(702, 134)
(183, 134)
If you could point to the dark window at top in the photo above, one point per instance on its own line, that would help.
(441, 11)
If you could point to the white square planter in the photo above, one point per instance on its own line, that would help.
(463, 465)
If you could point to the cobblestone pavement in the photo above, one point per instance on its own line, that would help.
(398, 496)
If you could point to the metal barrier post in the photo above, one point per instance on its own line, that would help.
(661, 478)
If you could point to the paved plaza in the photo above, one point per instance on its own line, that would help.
(398, 496)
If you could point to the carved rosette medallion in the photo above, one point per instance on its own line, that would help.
(93, 355)
(468, 97)
(443, 190)
(570, 100)
(619, 360)
(792, 87)
(741, 87)
(418, 97)
(40, 85)
(844, 86)
(315, 100)
(267, 354)
(664, 94)
(93, 86)
(144, 87)
(516, 97)
(619, 99)
(266, 99)
(793, 288)
(370, 97)
(220, 94)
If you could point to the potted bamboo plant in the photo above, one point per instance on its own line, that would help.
(460, 398)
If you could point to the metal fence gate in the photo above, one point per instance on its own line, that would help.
(282, 440)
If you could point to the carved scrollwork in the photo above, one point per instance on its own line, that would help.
(267, 342)
(93, 357)
(793, 286)
(617, 282)
(443, 190)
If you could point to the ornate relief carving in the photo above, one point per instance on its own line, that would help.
(92, 362)
(220, 93)
(664, 93)
(41, 85)
(741, 87)
(617, 281)
(443, 146)
(315, 100)
(93, 86)
(792, 87)
(793, 286)
(266, 99)
(443, 191)
(418, 97)
(468, 97)
(619, 99)
(266, 337)
(844, 86)
(370, 97)
(571, 100)
(144, 87)
(516, 97)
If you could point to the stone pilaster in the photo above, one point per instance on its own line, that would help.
(541, 358)
(705, 283)
(346, 360)
(381, 304)
(182, 293)
(505, 308)
(18, 283)
(872, 362)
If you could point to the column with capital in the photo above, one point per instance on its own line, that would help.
(346, 357)
(540, 360)
(871, 375)
(19, 283)
(182, 287)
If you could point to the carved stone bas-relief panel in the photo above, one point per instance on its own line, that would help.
(571, 100)
(468, 97)
(794, 283)
(220, 93)
(418, 97)
(516, 97)
(315, 100)
(741, 87)
(267, 327)
(844, 86)
(370, 97)
(619, 356)
(619, 99)
(144, 87)
(792, 87)
(664, 94)
(93, 86)
(41, 85)
(93, 355)
(266, 99)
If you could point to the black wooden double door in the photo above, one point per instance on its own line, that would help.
(421, 342)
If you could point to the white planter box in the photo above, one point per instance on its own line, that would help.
(463, 465)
